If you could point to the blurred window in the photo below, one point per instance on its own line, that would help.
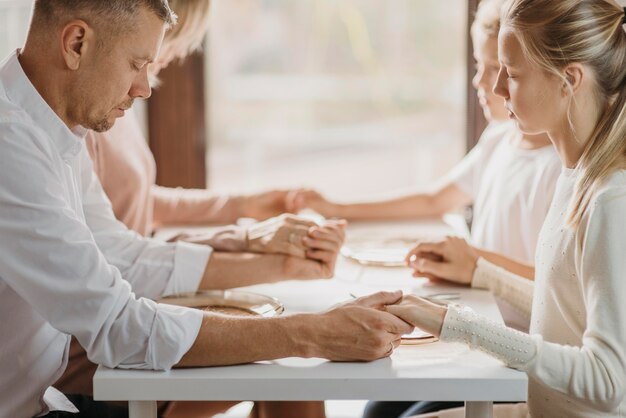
(353, 97)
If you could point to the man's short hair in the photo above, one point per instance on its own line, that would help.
(114, 14)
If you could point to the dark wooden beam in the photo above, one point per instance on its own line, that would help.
(475, 120)
(177, 126)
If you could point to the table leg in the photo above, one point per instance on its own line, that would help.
(478, 409)
(142, 409)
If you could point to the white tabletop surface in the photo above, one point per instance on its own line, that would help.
(435, 371)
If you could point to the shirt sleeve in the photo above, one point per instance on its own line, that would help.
(49, 257)
(153, 268)
(467, 174)
(596, 371)
(516, 290)
(192, 206)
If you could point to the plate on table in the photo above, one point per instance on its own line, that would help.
(418, 337)
(385, 252)
(230, 302)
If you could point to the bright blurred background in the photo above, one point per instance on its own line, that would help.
(353, 97)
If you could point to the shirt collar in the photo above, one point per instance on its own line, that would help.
(21, 92)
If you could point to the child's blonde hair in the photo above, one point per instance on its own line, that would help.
(487, 19)
(553, 34)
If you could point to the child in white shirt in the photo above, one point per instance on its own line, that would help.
(508, 176)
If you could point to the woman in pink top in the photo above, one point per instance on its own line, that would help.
(127, 170)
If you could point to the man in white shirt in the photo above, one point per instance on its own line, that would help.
(63, 256)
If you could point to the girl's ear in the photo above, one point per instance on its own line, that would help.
(574, 75)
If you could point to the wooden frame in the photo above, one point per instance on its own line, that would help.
(177, 125)
(475, 120)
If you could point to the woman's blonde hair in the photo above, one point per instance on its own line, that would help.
(193, 21)
(487, 19)
(556, 33)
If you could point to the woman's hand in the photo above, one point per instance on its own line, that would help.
(283, 234)
(420, 313)
(452, 259)
(291, 235)
(323, 244)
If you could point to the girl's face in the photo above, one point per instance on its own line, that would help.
(533, 97)
(487, 67)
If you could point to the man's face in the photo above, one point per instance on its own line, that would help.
(111, 76)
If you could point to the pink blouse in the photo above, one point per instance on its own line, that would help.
(127, 170)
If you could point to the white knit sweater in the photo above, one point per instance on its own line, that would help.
(575, 355)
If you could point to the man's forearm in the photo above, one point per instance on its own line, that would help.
(355, 330)
(226, 340)
(230, 270)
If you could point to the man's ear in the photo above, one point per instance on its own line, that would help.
(574, 74)
(76, 38)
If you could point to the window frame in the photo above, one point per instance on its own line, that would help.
(182, 163)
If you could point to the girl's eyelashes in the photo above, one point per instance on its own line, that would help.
(507, 72)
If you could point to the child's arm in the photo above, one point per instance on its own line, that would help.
(427, 204)
(516, 267)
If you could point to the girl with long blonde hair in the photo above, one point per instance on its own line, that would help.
(563, 72)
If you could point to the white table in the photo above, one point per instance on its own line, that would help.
(438, 371)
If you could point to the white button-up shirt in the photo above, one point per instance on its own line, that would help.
(68, 267)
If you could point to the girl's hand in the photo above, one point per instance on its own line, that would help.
(452, 259)
(420, 313)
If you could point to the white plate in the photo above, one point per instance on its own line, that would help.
(233, 302)
(383, 252)
(418, 337)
